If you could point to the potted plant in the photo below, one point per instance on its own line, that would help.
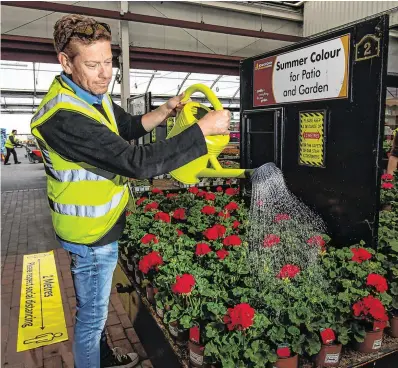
(330, 353)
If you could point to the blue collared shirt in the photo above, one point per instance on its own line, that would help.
(81, 250)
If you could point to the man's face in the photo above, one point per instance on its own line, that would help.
(91, 68)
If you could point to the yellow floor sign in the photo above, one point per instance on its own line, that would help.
(41, 315)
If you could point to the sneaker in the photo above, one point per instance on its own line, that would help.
(18, 162)
(118, 360)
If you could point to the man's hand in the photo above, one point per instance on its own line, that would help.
(215, 123)
(174, 104)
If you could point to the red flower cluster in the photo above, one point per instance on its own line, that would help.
(151, 260)
(378, 281)
(271, 240)
(140, 200)
(236, 224)
(232, 206)
(201, 193)
(193, 190)
(179, 232)
(379, 325)
(179, 214)
(240, 317)
(172, 195)
(208, 210)
(222, 254)
(151, 206)
(316, 240)
(202, 249)
(281, 217)
(232, 240)
(283, 352)
(157, 191)
(210, 196)
(162, 216)
(224, 214)
(387, 185)
(219, 189)
(372, 306)
(146, 239)
(184, 284)
(387, 177)
(328, 336)
(215, 232)
(360, 254)
(288, 271)
(194, 334)
(231, 191)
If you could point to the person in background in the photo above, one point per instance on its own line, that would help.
(10, 145)
(393, 159)
(83, 136)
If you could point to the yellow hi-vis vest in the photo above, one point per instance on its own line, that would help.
(85, 201)
(9, 144)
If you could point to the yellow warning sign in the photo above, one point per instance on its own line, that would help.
(41, 315)
(312, 137)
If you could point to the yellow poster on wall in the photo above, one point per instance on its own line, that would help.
(41, 315)
(312, 138)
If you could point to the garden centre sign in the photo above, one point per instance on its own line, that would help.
(41, 314)
(312, 138)
(315, 72)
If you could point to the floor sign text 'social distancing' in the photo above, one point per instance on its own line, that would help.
(41, 314)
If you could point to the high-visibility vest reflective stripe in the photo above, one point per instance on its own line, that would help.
(85, 201)
(8, 143)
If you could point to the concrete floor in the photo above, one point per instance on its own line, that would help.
(23, 176)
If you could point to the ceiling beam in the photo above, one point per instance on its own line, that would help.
(148, 19)
(35, 49)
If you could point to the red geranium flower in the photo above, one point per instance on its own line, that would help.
(372, 306)
(140, 200)
(281, 217)
(379, 325)
(236, 224)
(230, 191)
(232, 240)
(288, 271)
(328, 336)
(201, 193)
(151, 206)
(179, 214)
(232, 206)
(128, 213)
(271, 240)
(208, 210)
(224, 214)
(360, 255)
(157, 191)
(146, 239)
(184, 284)
(219, 189)
(316, 240)
(210, 196)
(387, 185)
(202, 249)
(172, 195)
(179, 232)
(215, 232)
(283, 352)
(240, 317)
(222, 253)
(151, 260)
(378, 281)
(193, 190)
(162, 216)
(387, 177)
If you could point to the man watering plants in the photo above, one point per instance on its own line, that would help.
(83, 136)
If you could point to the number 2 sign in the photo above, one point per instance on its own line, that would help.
(367, 48)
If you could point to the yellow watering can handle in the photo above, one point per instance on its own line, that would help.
(206, 91)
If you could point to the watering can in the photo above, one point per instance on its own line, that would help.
(205, 166)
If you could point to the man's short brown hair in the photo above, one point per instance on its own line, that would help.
(64, 37)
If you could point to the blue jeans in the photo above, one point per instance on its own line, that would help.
(92, 271)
